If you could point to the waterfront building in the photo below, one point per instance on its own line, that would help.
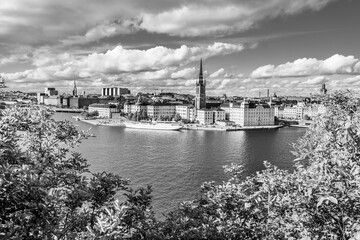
(249, 113)
(300, 111)
(186, 111)
(160, 109)
(52, 101)
(210, 116)
(291, 112)
(104, 110)
(229, 108)
(114, 91)
(279, 111)
(200, 96)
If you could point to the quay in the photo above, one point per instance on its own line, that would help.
(228, 128)
(68, 110)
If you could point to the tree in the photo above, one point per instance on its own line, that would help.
(177, 117)
(43, 191)
(306, 117)
(320, 199)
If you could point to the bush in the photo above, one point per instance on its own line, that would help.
(43, 191)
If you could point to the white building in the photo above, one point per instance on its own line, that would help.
(114, 91)
(165, 110)
(186, 111)
(158, 109)
(210, 116)
(250, 114)
(299, 111)
(104, 110)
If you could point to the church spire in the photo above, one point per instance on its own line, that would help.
(75, 89)
(201, 76)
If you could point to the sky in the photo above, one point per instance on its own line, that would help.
(247, 46)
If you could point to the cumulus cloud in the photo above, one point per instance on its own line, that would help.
(104, 30)
(185, 73)
(222, 17)
(75, 22)
(128, 60)
(317, 80)
(158, 63)
(16, 58)
(336, 64)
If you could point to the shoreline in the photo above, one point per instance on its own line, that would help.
(229, 129)
(118, 123)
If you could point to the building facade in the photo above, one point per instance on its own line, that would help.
(249, 113)
(104, 110)
(114, 91)
(210, 116)
(186, 111)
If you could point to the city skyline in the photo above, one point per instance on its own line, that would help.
(289, 47)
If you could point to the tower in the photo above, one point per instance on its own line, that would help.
(323, 89)
(75, 89)
(200, 97)
(2, 82)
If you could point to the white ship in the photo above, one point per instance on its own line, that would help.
(152, 126)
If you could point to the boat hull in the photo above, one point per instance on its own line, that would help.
(150, 126)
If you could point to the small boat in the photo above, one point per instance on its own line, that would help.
(152, 126)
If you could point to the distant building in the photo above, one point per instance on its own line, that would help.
(323, 89)
(52, 101)
(200, 96)
(40, 98)
(114, 91)
(301, 111)
(51, 91)
(104, 110)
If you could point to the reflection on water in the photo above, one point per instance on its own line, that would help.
(176, 163)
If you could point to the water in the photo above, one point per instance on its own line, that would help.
(176, 163)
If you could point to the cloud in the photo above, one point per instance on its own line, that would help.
(104, 30)
(16, 58)
(218, 73)
(336, 64)
(156, 63)
(120, 60)
(222, 17)
(42, 22)
(185, 73)
(317, 80)
(351, 81)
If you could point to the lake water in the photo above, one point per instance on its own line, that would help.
(176, 163)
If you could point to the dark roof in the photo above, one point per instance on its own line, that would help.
(102, 105)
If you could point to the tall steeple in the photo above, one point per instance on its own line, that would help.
(200, 97)
(75, 89)
(201, 77)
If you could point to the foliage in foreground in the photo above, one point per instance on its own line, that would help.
(43, 193)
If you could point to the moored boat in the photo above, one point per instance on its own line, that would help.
(152, 126)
